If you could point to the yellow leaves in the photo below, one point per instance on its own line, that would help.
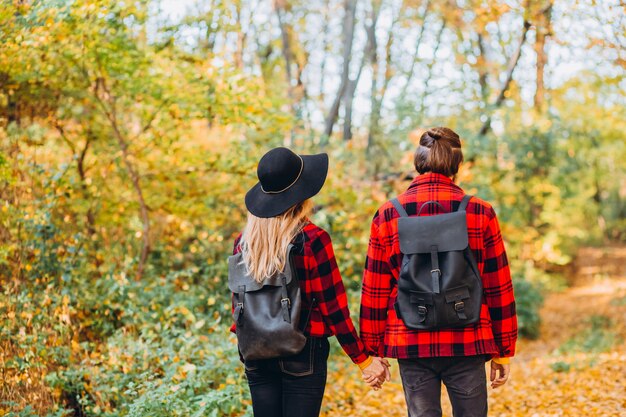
(26, 315)
(593, 385)
(509, 200)
(76, 348)
(184, 371)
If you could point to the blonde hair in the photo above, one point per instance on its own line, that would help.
(264, 242)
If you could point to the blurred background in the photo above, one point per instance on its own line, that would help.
(130, 132)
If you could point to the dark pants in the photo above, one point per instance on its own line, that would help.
(465, 379)
(290, 387)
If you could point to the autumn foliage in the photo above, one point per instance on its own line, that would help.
(128, 138)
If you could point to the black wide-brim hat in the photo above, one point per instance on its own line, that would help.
(285, 179)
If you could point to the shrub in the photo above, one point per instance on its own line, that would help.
(528, 300)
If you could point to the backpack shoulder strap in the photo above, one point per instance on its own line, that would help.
(399, 208)
(464, 202)
(304, 325)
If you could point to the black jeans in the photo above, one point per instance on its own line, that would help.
(291, 386)
(464, 377)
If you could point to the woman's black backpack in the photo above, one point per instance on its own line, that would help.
(439, 284)
(267, 314)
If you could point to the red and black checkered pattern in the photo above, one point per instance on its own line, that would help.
(384, 334)
(320, 279)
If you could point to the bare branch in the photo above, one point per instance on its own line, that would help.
(509, 77)
(111, 114)
(416, 50)
(152, 117)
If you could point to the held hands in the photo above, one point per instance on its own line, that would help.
(377, 373)
(499, 374)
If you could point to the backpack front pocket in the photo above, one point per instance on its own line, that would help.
(416, 309)
(458, 305)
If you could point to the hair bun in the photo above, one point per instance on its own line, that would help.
(433, 134)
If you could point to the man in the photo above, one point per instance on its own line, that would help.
(454, 355)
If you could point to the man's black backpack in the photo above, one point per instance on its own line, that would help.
(439, 284)
(267, 314)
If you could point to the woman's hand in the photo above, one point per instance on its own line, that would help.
(377, 373)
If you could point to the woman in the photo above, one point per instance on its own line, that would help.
(278, 208)
(454, 356)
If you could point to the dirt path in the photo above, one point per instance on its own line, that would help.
(576, 368)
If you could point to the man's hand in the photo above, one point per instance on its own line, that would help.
(377, 373)
(499, 374)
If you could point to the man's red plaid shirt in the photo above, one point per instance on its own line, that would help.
(320, 279)
(384, 334)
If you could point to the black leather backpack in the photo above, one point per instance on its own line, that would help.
(439, 284)
(267, 314)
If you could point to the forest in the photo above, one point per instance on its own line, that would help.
(130, 132)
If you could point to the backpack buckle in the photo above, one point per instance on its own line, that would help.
(421, 311)
(459, 306)
(285, 300)
(432, 271)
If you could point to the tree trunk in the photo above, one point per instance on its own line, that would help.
(348, 100)
(143, 207)
(369, 53)
(543, 31)
(82, 173)
(298, 92)
(375, 111)
(326, 18)
(288, 56)
(241, 37)
(348, 37)
(483, 71)
(378, 97)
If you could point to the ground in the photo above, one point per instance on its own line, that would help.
(577, 367)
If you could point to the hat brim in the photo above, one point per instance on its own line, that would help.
(311, 181)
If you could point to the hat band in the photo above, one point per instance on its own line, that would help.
(290, 185)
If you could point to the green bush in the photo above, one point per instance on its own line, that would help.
(597, 337)
(528, 300)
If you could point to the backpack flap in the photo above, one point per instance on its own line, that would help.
(240, 283)
(448, 232)
(238, 276)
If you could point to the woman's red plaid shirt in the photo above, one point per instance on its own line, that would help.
(384, 334)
